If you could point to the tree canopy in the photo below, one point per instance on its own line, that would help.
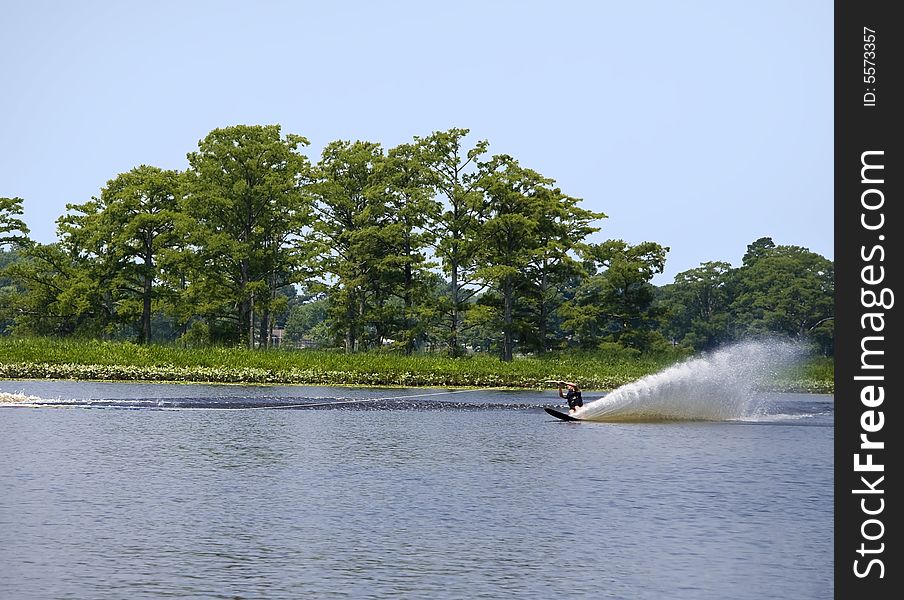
(247, 196)
(779, 290)
(432, 245)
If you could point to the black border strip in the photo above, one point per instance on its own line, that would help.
(868, 231)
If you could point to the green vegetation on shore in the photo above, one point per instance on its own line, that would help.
(42, 358)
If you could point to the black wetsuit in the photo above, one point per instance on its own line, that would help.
(574, 398)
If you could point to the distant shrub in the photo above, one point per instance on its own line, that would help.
(197, 336)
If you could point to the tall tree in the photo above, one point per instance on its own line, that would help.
(251, 205)
(136, 218)
(93, 289)
(403, 184)
(349, 231)
(563, 227)
(454, 174)
(523, 237)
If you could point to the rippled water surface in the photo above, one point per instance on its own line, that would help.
(191, 491)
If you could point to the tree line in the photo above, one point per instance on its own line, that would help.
(433, 245)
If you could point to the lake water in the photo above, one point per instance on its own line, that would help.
(197, 491)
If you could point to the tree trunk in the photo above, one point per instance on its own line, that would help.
(453, 333)
(351, 330)
(148, 290)
(251, 322)
(362, 300)
(266, 326)
(183, 321)
(244, 308)
(409, 284)
(146, 311)
(507, 335)
(264, 329)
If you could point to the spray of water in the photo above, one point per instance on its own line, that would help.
(7, 398)
(718, 386)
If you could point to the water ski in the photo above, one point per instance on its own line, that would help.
(560, 415)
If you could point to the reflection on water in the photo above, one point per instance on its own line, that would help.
(473, 495)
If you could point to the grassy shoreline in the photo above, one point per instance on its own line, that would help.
(122, 361)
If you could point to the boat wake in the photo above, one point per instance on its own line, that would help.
(407, 402)
(719, 386)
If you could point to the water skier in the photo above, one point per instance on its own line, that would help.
(573, 396)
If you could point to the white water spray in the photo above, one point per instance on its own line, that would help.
(8, 398)
(718, 386)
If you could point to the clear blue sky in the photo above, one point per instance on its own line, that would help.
(699, 125)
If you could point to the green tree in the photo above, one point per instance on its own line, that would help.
(249, 199)
(615, 302)
(58, 292)
(132, 225)
(784, 289)
(14, 234)
(506, 237)
(758, 249)
(307, 322)
(454, 174)
(697, 305)
(403, 184)
(553, 269)
(87, 270)
(13, 230)
(9, 289)
(350, 234)
(529, 228)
